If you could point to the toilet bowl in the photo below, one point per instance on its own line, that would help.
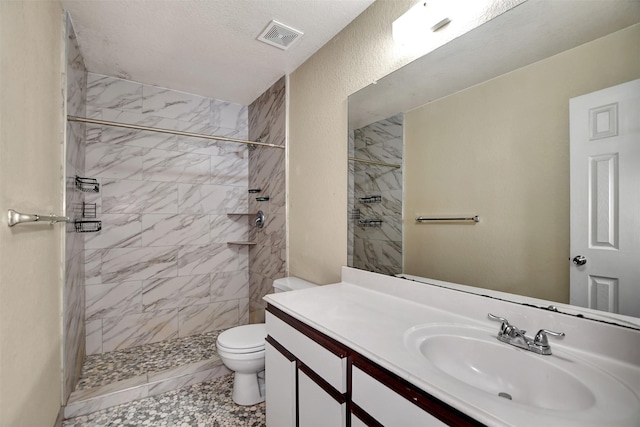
(241, 349)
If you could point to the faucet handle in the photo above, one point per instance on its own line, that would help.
(505, 327)
(541, 337)
(497, 318)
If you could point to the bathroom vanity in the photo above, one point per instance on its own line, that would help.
(377, 350)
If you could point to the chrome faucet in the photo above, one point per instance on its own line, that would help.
(510, 334)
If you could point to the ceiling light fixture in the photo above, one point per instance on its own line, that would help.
(420, 20)
(431, 23)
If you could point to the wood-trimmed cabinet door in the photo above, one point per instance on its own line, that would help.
(280, 375)
(319, 405)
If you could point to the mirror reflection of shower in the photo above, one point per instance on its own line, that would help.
(375, 196)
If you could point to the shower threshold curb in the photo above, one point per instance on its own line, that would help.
(84, 402)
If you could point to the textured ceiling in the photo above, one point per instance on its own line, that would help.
(207, 47)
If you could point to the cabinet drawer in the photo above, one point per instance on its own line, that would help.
(331, 367)
(386, 406)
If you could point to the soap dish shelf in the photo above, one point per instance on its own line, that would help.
(87, 185)
(366, 223)
(84, 226)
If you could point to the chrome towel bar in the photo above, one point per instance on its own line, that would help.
(19, 218)
(474, 218)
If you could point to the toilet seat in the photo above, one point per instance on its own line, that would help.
(243, 339)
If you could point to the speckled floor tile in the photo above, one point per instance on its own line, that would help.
(207, 404)
(106, 368)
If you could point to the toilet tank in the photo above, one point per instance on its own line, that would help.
(291, 284)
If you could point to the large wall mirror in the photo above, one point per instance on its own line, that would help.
(481, 126)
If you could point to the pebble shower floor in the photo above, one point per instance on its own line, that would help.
(207, 404)
(105, 368)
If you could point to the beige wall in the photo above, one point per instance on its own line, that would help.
(317, 157)
(31, 181)
(501, 150)
(317, 173)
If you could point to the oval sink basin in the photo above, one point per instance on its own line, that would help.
(475, 358)
(478, 359)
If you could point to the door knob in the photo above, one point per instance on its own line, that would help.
(579, 260)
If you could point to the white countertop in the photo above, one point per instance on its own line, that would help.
(370, 313)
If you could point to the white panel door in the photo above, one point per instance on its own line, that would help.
(605, 199)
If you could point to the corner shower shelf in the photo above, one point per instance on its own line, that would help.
(242, 243)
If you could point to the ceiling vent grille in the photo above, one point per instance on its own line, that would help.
(280, 35)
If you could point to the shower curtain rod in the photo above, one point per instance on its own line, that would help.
(169, 131)
(373, 162)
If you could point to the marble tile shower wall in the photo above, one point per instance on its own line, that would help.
(73, 292)
(267, 259)
(161, 267)
(379, 249)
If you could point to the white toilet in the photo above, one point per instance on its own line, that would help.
(241, 349)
